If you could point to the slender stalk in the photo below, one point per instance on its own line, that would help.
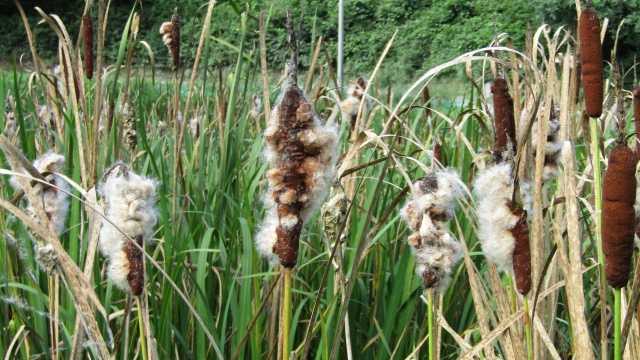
(285, 314)
(617, 325)
(597, 190)
(430, 329)
(142, 335)
(527, 330)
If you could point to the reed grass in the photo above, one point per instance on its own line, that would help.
(208, 293)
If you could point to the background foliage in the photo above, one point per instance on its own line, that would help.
(429, 31)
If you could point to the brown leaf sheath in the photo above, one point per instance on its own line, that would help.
(135, 277)
(618, 215)
(636, 117)
(591, 60)
(504, 121)
(521, 251)
(175, 40)
(294, 174)
(87, 38)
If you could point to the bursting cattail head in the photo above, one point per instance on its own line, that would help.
(87, 38)
(355, 94)
(130, 207)
(591, 61)
(170, 31)
(431, 205)
(493, 188)
(618, 215)
(300, 152)
(130, 133)
(55, 198)
(504, 122)
(552, 146)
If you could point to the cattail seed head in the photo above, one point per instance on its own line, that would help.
(552, 146)
(170, 31)
(130, 133)
(504, 122)
(521, 250)
(618, 215)
(55, 198)
(351, 105)
(432, 203)
(87, 38)
(493, 188)
(591, 61)
(130, 206)
(301, 155)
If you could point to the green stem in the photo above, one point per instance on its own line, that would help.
(143, 336)
(527, 330)
(285, 315)
(617, 325)
(431, 333)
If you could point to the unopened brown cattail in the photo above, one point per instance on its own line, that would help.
(504, 121)
(135, 276)
(618, 215)
(591, 61)
(636, 117)
(87, 38)
(521, 251)
(175, 40)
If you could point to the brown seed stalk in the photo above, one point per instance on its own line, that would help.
(87, 38)
(175, 40)
(504, 121)
(591, 61)
(618, 215)
(636, 117)
(521, 251)
(135, 277)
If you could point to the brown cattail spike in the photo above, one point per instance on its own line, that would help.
(504, 121)
(135, 277)
(175, 40)
(636, 117)
(521, 251)
(591, 61)
(87, 38)
(618, 215)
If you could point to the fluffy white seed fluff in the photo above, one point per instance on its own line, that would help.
(130, 205)
(493, 189)
(55, 199)
(552, 146)
(321, 169)
(432, 203)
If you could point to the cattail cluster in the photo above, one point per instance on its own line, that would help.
(502, 224)
(300, 152)
(504, 122)
(431, 205)
(55, 197)
(87, 38)
(351, 105)
(552, 146)
(618, 214)
(170, 31)
(130, 217)
(591, 61)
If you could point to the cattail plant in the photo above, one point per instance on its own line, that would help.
(130, 134)
(591, 61)
(505, 129)
(130, 216)
(87, 44)
(502, 223)
(618, 215)
(432, 203)
(55, 197)
(170, 31)
(351, 105)
(552, 146)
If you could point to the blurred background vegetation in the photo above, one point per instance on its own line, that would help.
(429, 31)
